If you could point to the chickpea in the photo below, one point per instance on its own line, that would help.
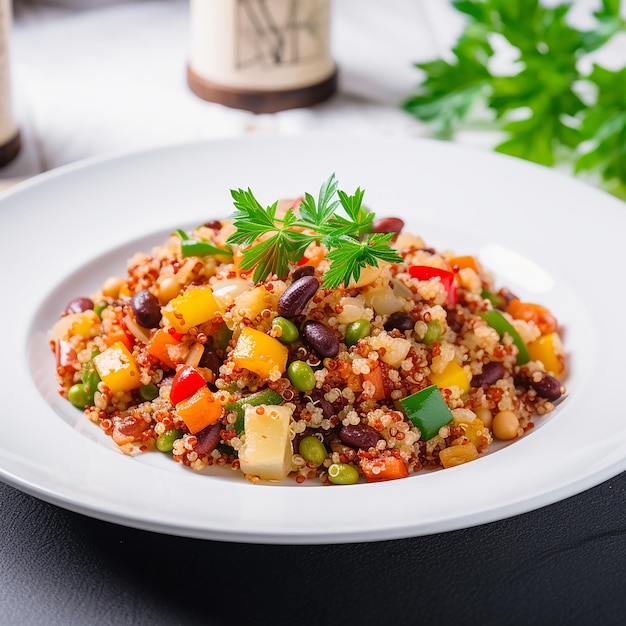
(505, 425)
(485, 416)
(111, 287)
(169, 287)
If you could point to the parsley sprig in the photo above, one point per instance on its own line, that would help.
(335, 219)
(548, 106)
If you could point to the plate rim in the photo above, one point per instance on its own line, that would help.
(573, 487)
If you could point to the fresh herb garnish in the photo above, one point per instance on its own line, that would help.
(337, 220)
(549, 107)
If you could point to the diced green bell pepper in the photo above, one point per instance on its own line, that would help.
(192, 247)
(501, 325)
(427, 410)
(266, 396)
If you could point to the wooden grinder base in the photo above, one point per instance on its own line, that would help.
(262, 101)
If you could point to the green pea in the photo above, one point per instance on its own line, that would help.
(301, 376)
(78, 395)
(343, 474)
(148, 392)
(433, 332)
(288, 330)
(357, 330)
(312, 449)
(98, 307)
(165, 442)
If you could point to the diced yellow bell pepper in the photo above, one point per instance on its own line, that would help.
(549, 350)
(117, 368)
(452, 375)
(194, 306)
(260, 353)
(84, 324)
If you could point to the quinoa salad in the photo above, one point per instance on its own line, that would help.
(310, 340)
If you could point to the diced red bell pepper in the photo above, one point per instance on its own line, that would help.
(65, 353)
(425, 272)
(187, 381)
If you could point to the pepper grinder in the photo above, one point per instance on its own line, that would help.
(261, 55)
(9, 133)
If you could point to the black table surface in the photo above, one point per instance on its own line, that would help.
(562, 564)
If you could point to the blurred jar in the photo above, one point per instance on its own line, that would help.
(9, 134)
(261, 55)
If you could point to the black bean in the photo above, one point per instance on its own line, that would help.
(321, 339)
(547, 387)
(359, 436)
(388, 225)
(210, 360)
(492, 371)
(146, 309)
(208, 438)
(215, 225)
(318, 399)
(400, 320)
(79, 305)
(507, 296)
(297, 295)
(303, 270)
(454, 321)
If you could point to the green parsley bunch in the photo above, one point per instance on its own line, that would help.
(336, 220)
(549, 109)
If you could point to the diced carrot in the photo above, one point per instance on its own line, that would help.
(118, 333)
(531, 312)
(199, 410)
(387, 468)
(159, 344)
(375, 376)
(461, 262)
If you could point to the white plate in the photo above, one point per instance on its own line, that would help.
(549, 238)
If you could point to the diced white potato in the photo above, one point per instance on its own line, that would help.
(267, 448)
(226, 290)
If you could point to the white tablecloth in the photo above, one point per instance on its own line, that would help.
(102, 76)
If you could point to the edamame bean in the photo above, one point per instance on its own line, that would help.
(165, 442)
(78, 395)
(357, 330)
(288, 330)
(343, 474)
(301, 375)
(433, 332)
(312, 449)
(148, 392)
